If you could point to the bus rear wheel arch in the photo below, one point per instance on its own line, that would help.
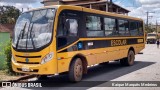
(129, 60)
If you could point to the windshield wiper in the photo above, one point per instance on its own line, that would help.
(29, 32)
(32, 37)
(21, 33)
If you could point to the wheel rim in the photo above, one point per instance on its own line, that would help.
(78, 70)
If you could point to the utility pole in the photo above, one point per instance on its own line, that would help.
(156, 27)
(148, 16)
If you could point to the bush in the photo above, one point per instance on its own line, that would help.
(8, 61)
(2, 56)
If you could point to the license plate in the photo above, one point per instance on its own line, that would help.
(25, 69)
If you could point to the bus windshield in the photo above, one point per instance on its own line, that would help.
(33, 29)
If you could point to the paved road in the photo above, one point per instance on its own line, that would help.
(149, 72)
(146, 68)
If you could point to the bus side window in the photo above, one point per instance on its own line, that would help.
(110, 26)
(123, 28)
(68, 27)
(73, 27)
(121, 25)
(94, 26)
(127, 28)
(61, 26)
(141, 33)
(134, 28)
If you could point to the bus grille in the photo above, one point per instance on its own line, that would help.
(28, 62)
(28, 56)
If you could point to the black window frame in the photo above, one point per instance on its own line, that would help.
(84, 30)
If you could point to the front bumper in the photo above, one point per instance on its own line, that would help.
(39, 69)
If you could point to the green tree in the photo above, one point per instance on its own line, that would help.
(8, 14)
(149, 29)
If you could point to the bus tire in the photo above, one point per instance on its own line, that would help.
(129, 60)
(76, 70)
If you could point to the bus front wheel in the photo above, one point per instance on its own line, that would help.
(76, 70)
(129, 60)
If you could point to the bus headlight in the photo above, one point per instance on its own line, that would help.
(13, 59)
(47, 58)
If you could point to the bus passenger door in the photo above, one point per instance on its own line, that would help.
(68, 27)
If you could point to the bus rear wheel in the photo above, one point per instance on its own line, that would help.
(76, 70)
(129, 60)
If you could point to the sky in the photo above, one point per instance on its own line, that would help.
(138, 8)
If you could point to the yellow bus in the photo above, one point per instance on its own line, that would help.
(60, 38)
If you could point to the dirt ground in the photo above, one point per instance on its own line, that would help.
(5, 77)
